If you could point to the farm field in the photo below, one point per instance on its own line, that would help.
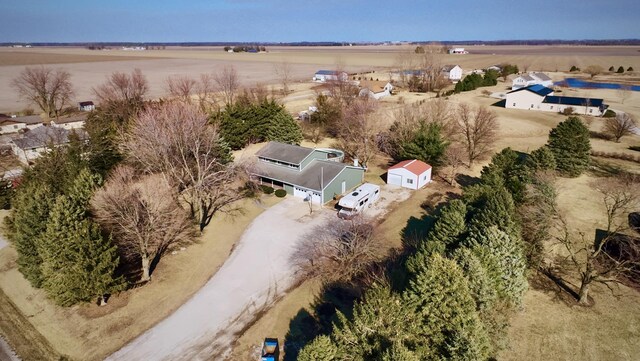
(88, 68)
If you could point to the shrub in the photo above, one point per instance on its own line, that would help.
(609, 114)
(574, 68)
(266, 189)
(635, 147)
(567, 111)
(620, 70)
(611, 69)
(280, 193)
(630, 68)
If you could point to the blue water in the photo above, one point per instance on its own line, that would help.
(579, 83)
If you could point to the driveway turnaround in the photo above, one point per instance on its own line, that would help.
(257, 272)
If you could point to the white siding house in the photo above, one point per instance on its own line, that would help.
(16, 124)
(528, 97)
(412, 174)
(452, 72)
(375, 89)
(37, 141)
(74, 122)
(532, 78)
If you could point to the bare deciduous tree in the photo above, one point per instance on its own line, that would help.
(122, 87)
(176, 140)
(358, 130)
(142, 214)
(205, 90)
(624, 92)
(228, 83)
(477, 129)
(338, 251)
(619, 126)
(181, 87)
(594, 70)
(283, 71)
(594, 263)
(49, 89)
(454, 159)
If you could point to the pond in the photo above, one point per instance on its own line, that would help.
(579, 83)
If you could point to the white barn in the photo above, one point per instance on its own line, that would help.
(412, 174)
(532, 78)
(375, 89)
(538, 97)
(452, 72)
(329, 75)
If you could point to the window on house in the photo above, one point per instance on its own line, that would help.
(551, 107)
(514, 104)
(410, 181)
(590, 110)
(15, 127)
(532, 105)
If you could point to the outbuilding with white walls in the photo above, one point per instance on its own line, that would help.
(412, 174)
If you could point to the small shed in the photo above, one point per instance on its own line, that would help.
(86, 106)
(412, 174)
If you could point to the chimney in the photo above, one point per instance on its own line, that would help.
(355, 162)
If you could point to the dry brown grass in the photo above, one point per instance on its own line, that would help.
(26, 57)
(89, 332)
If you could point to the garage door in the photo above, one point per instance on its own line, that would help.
(395, 179)
(304, 194)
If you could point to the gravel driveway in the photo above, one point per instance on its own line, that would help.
(257, 271)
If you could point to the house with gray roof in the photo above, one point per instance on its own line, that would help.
(313, 174)
(15, 124)
(37, 141)
(533, 78)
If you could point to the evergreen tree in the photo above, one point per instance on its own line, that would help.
(447, 325)
(620, 70)
(612, 69)
(29, 219)
(480, 285)
(569, 143)
(496, 208)
(283, 128)
(541, 159)
(427, 145)
(378, 321)
(78, 263)
(504, 261)
(398, 352)
(450, 224)
(320, 349)
(509, 167)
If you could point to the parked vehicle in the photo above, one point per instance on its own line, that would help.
(356, 201)
(270, 350)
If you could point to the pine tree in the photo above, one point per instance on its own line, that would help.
(569, 143)
(508, 166)
(480, 285)
(496, 209)
(378, 321)
(283, 128)
(450, 224)
(427, 145)
(78, 263)
(504, 261)
(31, 211)
(320, 349)
(541, 159)
(399, 352)
(448, 326)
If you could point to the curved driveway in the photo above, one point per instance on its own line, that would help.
(257, 271)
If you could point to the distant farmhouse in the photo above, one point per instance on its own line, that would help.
(86, 106)
(375, 89)
(330, 75)
(313, 174)
(452, 72)
(72, 122)
(532, 78)
(538, 97)
(458, 51)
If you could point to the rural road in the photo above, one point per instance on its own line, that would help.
(257, 272)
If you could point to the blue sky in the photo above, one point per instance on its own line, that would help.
(328, 20)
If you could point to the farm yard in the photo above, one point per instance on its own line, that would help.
(548, 325)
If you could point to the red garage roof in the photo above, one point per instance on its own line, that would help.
(414, 166)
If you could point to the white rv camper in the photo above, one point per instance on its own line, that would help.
(356, 201)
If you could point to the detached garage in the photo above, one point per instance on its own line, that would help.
(412, 174)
